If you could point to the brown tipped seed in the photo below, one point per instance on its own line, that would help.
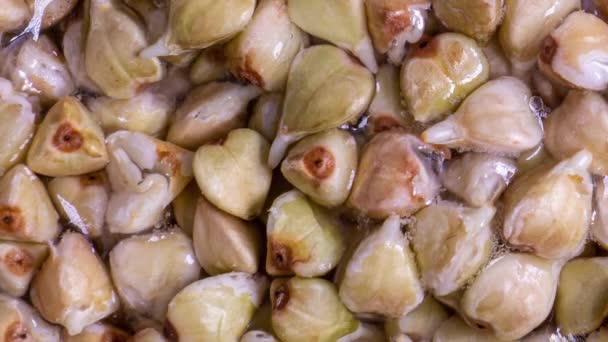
(184, 207)
(262, 54)
(18, 126)
(393, 177)
(436, 76)
(319, 162)
(13, 15)
(513, 295)
(582, 304)
(146, 174)
(451, 243)
(98, 332)
(386, 111)
(82, 201)
(68, 142)
(66, 138)
(477, 19)
(217, 308)
(580, 122)
(366, 289)
(548, 51)
(478, 178)
(309, 310)
(73, 288)
(266, 115)
(145, 289)
(233, 174)
(393, 23)
(18, 263)
(210, 112)
(525, 27)
(209, 66)
(26, 211)
(323, 166)
(421, 323)
(20, 322)
(12, 220)
(148, 335)
(326, 88)
(113, 39)
(548, 210)
(456, 330)
(37, 68)
(303, 238)
(495, 118)
(225, 243)
(340, 22)
(576, 52)
(148, 112)
(200, 24)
